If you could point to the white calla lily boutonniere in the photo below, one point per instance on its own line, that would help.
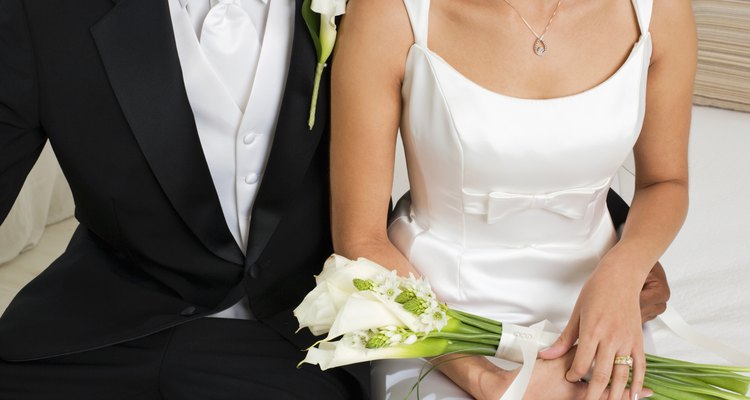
(320, 18)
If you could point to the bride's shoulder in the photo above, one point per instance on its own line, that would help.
(672, 27)
(376, 33)
(387, 19)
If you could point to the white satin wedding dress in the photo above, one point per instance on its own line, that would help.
(507, 216)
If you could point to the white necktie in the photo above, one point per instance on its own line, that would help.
(230, 43)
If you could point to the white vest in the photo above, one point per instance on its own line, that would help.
(236, 142)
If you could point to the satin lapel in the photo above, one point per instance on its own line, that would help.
(136, 44)
(293, 144)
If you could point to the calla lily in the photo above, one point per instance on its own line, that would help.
(367, 310)
(348, 351)
(332, 8)
(323, 31)
(320, 307)
(328, 10)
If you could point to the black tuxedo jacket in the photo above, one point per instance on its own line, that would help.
(101, 80)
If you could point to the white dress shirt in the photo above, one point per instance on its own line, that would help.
(236, 142)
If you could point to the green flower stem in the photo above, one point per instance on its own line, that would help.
(464, 329)
(672, 388)
(693, 385)
(433, 363)
(685, 380)
(316, 88)
(479, 318)
(488, 339)
(457, 346)
(733, 382)
(724, 384)
(702, 378)
(476, 321)
(456, 326)
(718, 374)
(433, 347)
(671, 363)
(668, 392)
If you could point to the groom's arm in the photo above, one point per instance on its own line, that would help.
(21, 136)
(618, 208)
(655, 292)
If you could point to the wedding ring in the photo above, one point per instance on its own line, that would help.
(624, 360)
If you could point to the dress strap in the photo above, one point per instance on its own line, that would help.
(643, 10)
(419, 16)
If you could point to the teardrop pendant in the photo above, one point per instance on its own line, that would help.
(539, 47)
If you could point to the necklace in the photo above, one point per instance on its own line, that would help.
(539, 46)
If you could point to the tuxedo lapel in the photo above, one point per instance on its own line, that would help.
(136, 44)
(294, 144)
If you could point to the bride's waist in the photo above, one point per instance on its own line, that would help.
(528, 229)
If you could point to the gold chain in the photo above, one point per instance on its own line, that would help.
(539, 46)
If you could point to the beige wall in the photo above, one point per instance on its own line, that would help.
(723, 78)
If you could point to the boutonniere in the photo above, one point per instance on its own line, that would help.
(320, 18)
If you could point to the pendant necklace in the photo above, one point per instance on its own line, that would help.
(539, 46)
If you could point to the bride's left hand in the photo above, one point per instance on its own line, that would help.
(606, 322)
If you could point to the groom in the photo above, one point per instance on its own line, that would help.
(202, 197)
(181, 126)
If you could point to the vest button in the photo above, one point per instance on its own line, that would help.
(251, 179)
(254, 271)
(249, 138)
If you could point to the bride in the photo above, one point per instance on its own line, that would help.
(515, 115)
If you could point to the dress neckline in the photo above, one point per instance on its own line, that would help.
(642, 39)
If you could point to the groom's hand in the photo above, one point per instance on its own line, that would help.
(654, 294)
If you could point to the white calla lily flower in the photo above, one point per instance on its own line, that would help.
(334, 287)
(330, 8)
(347, 351)
(368, 310)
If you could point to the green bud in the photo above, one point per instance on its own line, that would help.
(362, 284)
(377, 342)
(405, 296)
(415, 306)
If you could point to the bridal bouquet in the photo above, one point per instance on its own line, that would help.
(370, 313)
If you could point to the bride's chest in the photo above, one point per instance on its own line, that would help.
(556, 142)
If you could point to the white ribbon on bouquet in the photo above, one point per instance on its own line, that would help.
(521, 344)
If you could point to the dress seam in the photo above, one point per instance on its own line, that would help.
(457, 137)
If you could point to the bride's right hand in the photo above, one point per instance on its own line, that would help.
(547, 382)
(484, 380)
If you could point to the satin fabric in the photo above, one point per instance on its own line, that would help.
(507, 214)
(229, 41)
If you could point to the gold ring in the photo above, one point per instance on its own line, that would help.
(624, 360)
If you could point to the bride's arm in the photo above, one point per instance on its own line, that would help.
(658, 210)
(368, 67)
(367, 74)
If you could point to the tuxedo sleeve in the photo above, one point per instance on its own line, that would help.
(618, 208)
(21, 135)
